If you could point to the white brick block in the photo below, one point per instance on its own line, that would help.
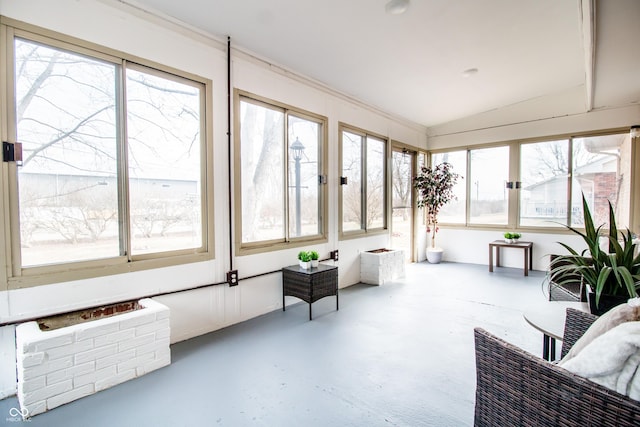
(46, 367)
(152, 327)
(33, 384)
(92, 330)
(118, 378)
(114, 337)
(33, 359)
(152, 366)
(45, 392)
(71, 372)
(58, 366)
(136, 342)
(163, 314)
(156, 345)
(95, 354)
(136, 361)
(132, 321)
(164, 333)
(58, 341)
(114, 359)
(70, 396)
(34, 408)
(92, 377)
(70, 349)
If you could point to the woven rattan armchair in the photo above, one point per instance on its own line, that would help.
(516, 388)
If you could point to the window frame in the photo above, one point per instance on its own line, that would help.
(250, 248)
(18, 276)
(386, 202)
(513, 215)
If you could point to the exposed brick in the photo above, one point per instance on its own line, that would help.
(114, 337)
(136, 342)
(45, 368)
(164, 333)
(136, 361)
(114, 359)
(138, 320)
(33, 359)
(35, 408)
(69, 349)
(93, 331)
(92, 377)
(115, 379)
(71, 372)
(152, 327)
(95, 353)
(69, 396)
(58, 341)
(45, 392)
(153, 346)
(32, 384)
(152, 366)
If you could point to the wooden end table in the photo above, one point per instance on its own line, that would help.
(310, 285)
(526, 246)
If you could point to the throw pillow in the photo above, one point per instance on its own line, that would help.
(627, 312)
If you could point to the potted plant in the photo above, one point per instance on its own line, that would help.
(435, 189)
(611, 276)
(315, 258)
(304, 259)
(510, 237)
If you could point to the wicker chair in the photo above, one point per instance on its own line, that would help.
(515, 388)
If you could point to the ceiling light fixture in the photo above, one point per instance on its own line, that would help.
(396, 7)
(470, 72)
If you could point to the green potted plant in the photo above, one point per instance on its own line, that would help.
(612, 276)
(435, 189)
(511, 237)
(315, 258)
(304, 259)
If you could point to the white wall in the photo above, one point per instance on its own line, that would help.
(117, 26)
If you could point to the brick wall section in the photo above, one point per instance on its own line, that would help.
(58, 366)
(378, 268)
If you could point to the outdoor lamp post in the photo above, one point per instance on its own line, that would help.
(297, 151)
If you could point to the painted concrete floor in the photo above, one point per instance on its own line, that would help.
(401, 354)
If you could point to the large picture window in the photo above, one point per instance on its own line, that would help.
(280, 160)
(114, 160)
(550, 178)
(363, 181)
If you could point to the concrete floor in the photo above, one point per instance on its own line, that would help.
(401, 354)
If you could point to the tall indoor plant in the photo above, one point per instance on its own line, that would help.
(613, 276)
(435, 189)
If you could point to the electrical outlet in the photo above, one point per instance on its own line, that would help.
(334, 255)
(232, 277)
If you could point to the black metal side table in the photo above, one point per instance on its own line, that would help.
(310, 285)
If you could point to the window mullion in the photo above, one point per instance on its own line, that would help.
(364, 196)
(285, 171)
(124, 219)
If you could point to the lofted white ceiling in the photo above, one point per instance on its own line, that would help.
(412, 65)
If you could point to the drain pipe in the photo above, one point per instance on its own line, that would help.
(232, 275)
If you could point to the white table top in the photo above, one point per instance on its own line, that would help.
(550, 318)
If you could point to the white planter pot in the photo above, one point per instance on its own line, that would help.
(304, 264)
(434, 255)
(379, 266)
(315, 263)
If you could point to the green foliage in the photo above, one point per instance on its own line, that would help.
(435, 189)
(613, 272)
(510, 235)
(304, 256)
(314, 255)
